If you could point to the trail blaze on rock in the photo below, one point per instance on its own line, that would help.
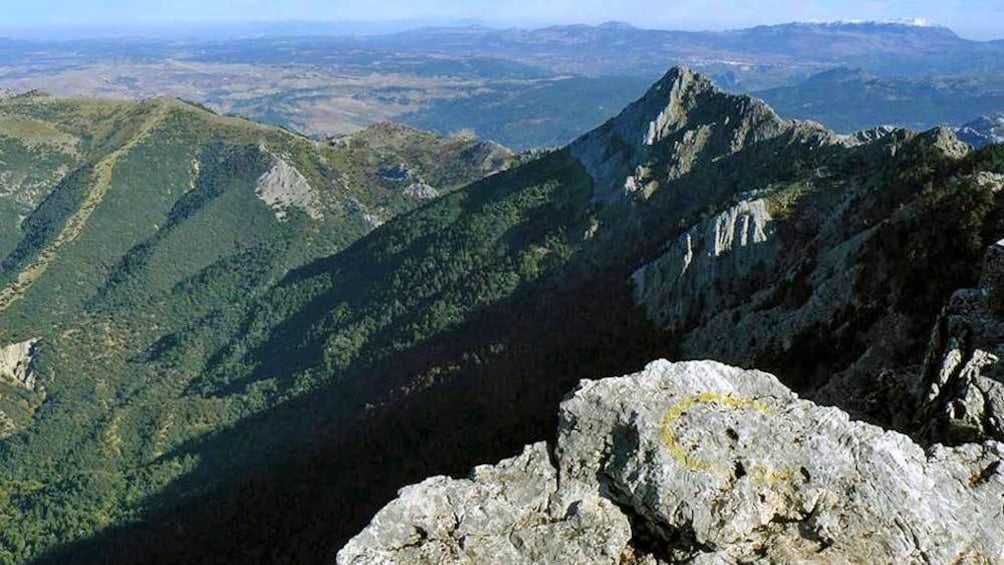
(681, 409)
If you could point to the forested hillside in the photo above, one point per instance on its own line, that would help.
(128, 223)
(236, 385)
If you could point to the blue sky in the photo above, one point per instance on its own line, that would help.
(972, 18)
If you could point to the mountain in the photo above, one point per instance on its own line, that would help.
(67, 160)
(523, 88)
(227, 361)
(628, 479)
(850, 100)
(983, 131)
(890, 47)
(263, 410)
(127, 222)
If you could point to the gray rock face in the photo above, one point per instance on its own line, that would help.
(962, 390)
(500, 515)
(727, 247)
(708, 464)
(734, 465)
(17, 363)
(713, 327)
(421, 191)
(283, 187)
(17, 368)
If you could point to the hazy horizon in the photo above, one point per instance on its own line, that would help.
(973, 19)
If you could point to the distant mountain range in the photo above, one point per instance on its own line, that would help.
(613, 48)
(983, 131)
(526, 88)
(617, 48)
(849, 100)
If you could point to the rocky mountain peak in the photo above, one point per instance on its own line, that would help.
(683, 121)
(674, 97)
(983, 131)
(945, 140)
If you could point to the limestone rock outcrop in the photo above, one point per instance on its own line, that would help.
(17, 370)
(500, 514)
(421, 191)
(962, 387)
(688, 276)
(283, 187)
(708, 464)
(17, 363)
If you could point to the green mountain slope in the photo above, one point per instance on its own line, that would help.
(272, 410)
(139, 220)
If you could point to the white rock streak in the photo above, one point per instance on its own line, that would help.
(17, 362)
(726, 247)
(282, 187)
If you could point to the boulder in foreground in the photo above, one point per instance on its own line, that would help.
(706, 463)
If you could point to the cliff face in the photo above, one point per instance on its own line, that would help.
(16, 362)
(691, 275)
(283, 187)
(819, 276)
(20, 392)
(705, 463)
(961, 390)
